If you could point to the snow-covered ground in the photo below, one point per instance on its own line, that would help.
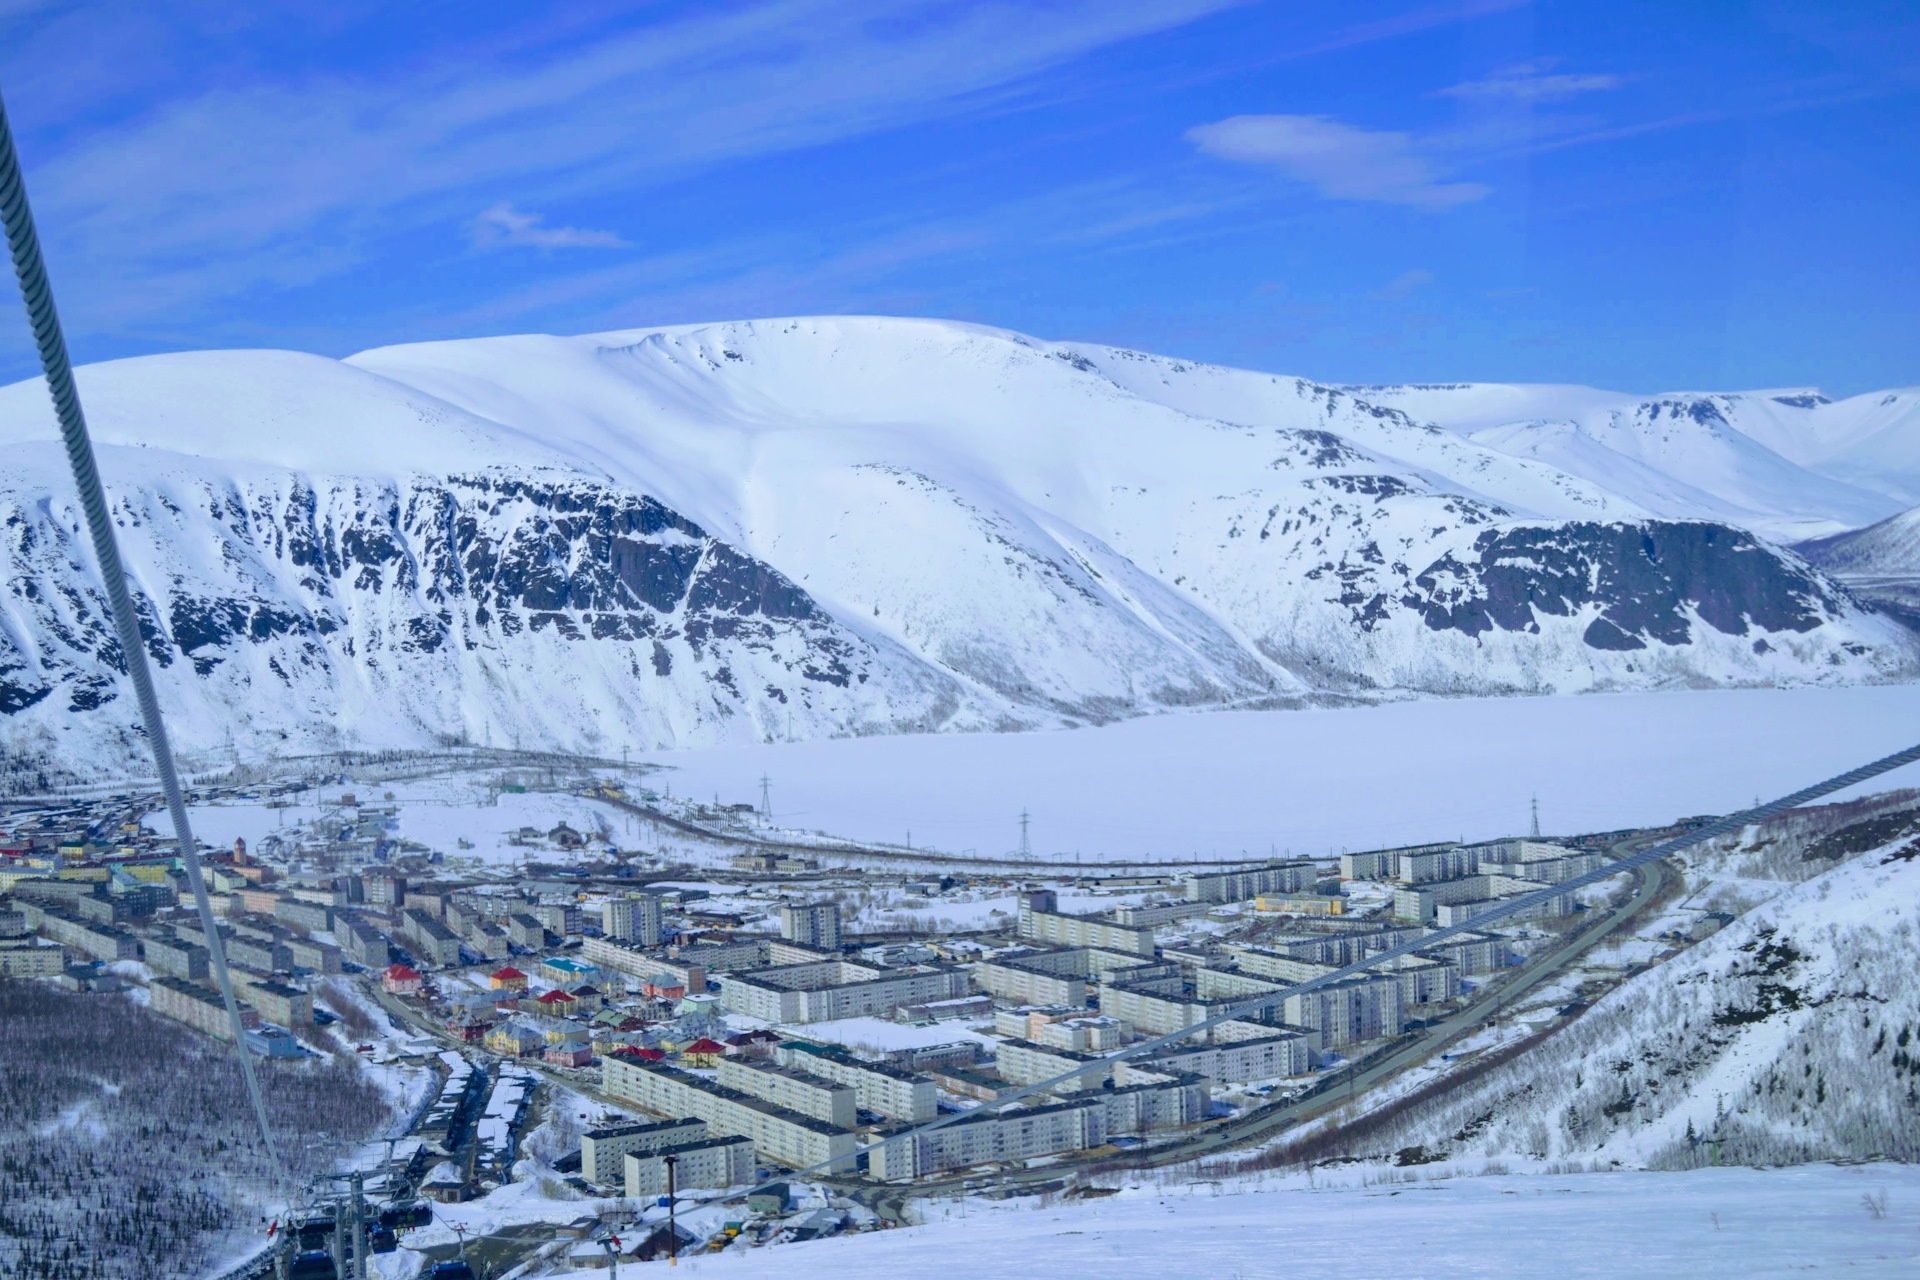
(1311, 781)
(1710, 1222)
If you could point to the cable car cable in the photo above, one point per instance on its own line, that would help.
(23, 241)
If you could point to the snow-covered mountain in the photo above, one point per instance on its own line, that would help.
(748, 531)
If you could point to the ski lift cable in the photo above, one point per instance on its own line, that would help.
(1721, 826)
(23, 242)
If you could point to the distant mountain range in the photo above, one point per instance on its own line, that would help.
(792, 528)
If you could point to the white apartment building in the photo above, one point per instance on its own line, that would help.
(709, 1162)
(778, 1134)
(794, 1089)
(878, 1088)
(603, 1151)
(814, 924)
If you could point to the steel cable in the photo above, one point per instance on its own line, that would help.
(24, 243)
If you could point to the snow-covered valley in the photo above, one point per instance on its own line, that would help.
(779, 530)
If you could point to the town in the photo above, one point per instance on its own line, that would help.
(723, 1012)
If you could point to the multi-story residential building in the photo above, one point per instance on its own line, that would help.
(1044, 978)
(794, 1089)
(277, 1002)
(432, 942)
(1041, 921)
(1384, 864)
(96, 941)
(317, 956)
(176, 958)
(1271, 1057)
(525, 930)
(30, 958)
(386, 889)
(1238, 886)
(1024, 1062)
(255, 953)
(302, 914)
(561, 919)
(603, 1151)
(197, 1006)
(709, 1162)
(829, 989)
(565, 971)
(363, 944)
(1349, 1012)
(778, 1134)
(878, 1087)
(814, 924)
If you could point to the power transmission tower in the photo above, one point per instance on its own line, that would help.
(1026, 850)
(766, 799)
(1536, 817)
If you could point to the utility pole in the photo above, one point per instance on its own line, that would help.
(673, 1232)
(358, 1182)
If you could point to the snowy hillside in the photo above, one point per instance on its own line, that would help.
(1890, 548)
(1791, 1035)
(747, 532)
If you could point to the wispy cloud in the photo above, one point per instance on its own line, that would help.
(239, 179)
(1340, 161)
(1403, 284)
(505, 225)
(1530, 82)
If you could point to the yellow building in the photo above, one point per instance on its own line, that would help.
(1303, 904)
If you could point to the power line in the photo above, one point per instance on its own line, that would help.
(37, 292)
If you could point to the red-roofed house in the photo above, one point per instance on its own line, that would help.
(663, 986)
(401, 981)
(703, 1052)
(556, 1003)
(507, 979)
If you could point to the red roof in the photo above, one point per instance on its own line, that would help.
(556, 997)
(399, 971)
(508, 972)
(651, 1055)
(704, 1045)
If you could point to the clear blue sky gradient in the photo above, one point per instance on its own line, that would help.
(1646, 196)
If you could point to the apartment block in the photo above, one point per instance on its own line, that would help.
(709, 1162)
(1349, 1012)
(792, 1088)
(603, 1151)
(28, 958)
(197, 1006)
(1023, 981)
(277, 1002)
(1239, 886)
(815, 924)
(303, 915)
(97, 941)
(778, 1134)
(1024, 1062)
(879, 1088)
(363, 944)
(1042, 923)
(1384, 864)
(433, 943)
(829, 989)
(176, 958)
(317, 956)
(1269, 1057)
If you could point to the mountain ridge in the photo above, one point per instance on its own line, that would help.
(756, 530)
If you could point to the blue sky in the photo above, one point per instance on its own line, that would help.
(1644, 196)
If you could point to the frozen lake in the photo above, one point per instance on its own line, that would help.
(1314, 781)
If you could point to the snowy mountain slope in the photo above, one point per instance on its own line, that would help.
(1890, 548)
(1793, 1034)
(734, 532)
